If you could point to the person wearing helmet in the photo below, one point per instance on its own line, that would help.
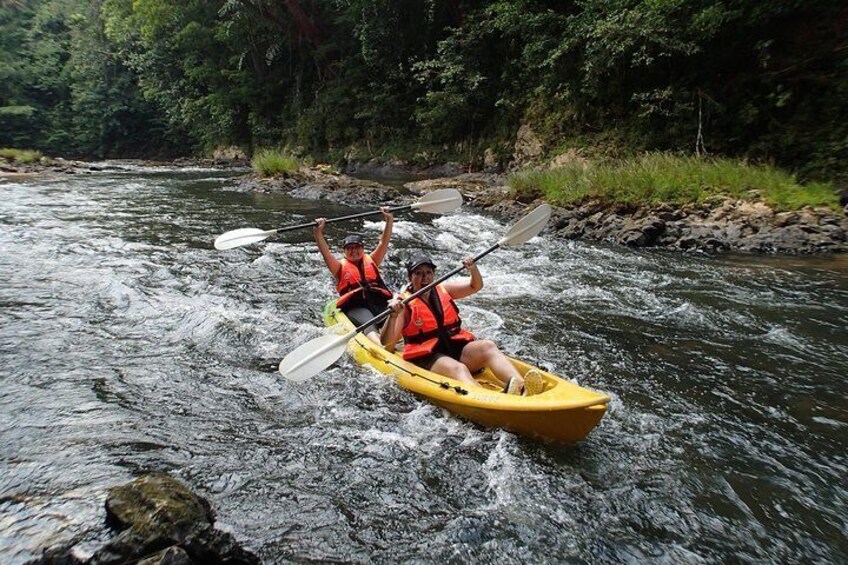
(362, 292)
(433, 335)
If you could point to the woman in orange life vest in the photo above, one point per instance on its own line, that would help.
(362, 292)
(433, 334)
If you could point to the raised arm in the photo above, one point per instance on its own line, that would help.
(466, 287)
(383, 247)
(332, 263)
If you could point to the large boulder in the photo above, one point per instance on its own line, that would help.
(641, 233)
(317, 184)
(160, 520)
(528, 147)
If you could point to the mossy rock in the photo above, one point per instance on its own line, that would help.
(156, 503)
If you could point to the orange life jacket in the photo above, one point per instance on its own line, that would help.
(359, 277)
(421, 331)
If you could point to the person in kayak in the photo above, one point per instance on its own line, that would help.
(433, 336)
(362, 292)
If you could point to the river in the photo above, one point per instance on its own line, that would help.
(128, 344)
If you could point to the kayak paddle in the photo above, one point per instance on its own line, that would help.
(316, 355)
(436, 202)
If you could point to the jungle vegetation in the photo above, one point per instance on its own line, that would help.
(429, 80)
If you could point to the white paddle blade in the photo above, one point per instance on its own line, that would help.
(243, 236)
(439, 201)
(314, 356)
(527, 227)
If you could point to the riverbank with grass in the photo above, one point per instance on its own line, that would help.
(22, 156)
(25, 161)
(659, 178)
(654, 200)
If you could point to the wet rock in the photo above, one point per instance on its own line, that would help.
(60, 555)
(446, 170)
(174, 555)
(317, 184)
(156, 502)
(379, 168)
(160, 521)
(713, 226)
(642, 233)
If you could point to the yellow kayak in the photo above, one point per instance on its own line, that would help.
(563, 412)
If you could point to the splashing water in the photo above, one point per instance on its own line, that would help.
(130, 345)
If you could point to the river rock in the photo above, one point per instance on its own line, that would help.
(478, 189)
(719, 224)
(174, 555)
(640, 233)
(318, 184)
(230, 156)
(159, 521)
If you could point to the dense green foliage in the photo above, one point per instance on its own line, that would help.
(663, 178)
(429, 78)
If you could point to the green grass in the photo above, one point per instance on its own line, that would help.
(270, 162)
(23, 156)
(658, 178)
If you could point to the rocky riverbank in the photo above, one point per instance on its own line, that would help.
(157, 521)
(716, 226)
(57, 165)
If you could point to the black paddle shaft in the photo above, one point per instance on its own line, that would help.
(386, 313)
(351, 217)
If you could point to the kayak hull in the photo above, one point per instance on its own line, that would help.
(563, 412)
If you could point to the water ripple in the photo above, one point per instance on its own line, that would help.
(129, 344)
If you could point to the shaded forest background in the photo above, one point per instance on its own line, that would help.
(428, 80)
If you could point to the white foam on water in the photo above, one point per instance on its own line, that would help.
(374, 438)
(480, 320)
(502, 473)
(581, 293)
(782, 336)
(450, 242)
(376, 226)
(686, 314)
(504, 285)
(405, 230)
(829, 422)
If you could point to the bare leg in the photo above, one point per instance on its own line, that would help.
(484, 353)
(452, 368)
(375, 337)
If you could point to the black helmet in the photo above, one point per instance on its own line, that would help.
(353, 239)
(416, 261)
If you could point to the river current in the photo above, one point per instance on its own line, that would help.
(128, 344)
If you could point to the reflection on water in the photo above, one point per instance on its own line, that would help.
(128, 344)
